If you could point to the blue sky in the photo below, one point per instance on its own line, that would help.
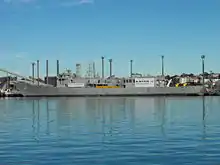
(75, 31)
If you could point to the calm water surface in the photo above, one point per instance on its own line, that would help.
(110, 131)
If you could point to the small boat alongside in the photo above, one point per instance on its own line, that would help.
(10, 93)
(1, 93)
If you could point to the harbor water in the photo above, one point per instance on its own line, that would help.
(110, 131)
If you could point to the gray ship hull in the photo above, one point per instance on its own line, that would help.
(32, 90)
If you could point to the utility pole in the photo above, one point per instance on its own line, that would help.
(58, 68)
(47, 72)
(162, 66)
(38, 72)
(94, 71)
(110, 67)
(103, 66)
(131, 68)
(33, 64)
(203, 70)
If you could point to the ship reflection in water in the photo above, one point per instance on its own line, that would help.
(154, 130)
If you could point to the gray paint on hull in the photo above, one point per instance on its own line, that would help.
(34, 90)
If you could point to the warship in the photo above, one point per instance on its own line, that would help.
(69, 84)
(79, 88)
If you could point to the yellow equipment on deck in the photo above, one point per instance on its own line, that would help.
(107, 87)
(181, 84)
